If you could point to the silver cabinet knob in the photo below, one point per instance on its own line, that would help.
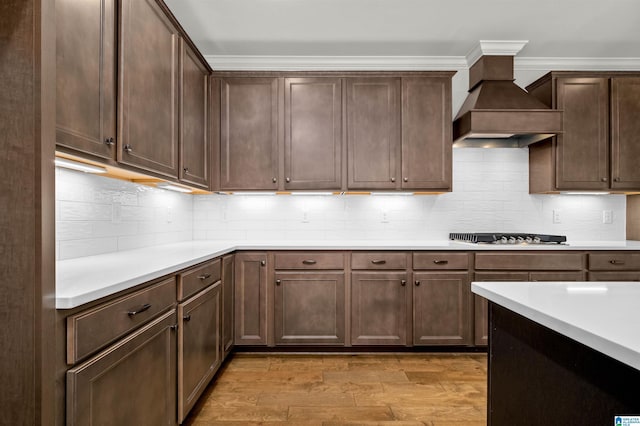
(186, 170)
(128, 148)
(616, 179)
(393, 179)
(406, 179)
(288, 179)
(263, 263)
(403, 283)
(109, 141)
(274, 180)
(604, 179)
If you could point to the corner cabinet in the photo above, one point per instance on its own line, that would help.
(149, 80)
(597, 149)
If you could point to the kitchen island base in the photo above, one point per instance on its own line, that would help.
(540, 377)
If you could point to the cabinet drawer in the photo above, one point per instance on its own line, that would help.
(95, 328)
(198, 278)
(614, 261)
(615, 276)
(530, 261)
(442, 260)
(379, 260)
(309, 260)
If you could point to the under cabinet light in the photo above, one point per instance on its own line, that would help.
(252, 193)
(172, 187)
(312, 193)
(395, 194)
(76, 165)
(584, 193)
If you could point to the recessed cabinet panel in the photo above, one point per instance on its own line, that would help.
(313, 133)
(251, 299)
(583, 148)
(373, 132)
(86, 76)
(249, 133)
(227, 303)
(625, 132)
(426, 133)
(148, 88)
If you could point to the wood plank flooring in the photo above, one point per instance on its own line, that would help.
(384, 389)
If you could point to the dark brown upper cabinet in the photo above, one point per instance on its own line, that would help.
(313, 133)
(249, 133)
(195, 161)
(426, 133)
(149, 84)
(86, 77)
(373, 133)
(598, 147)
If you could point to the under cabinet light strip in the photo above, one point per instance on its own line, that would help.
(172, 187)
(76, 165)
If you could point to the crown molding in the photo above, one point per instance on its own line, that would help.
(495, 48)
(408, 63)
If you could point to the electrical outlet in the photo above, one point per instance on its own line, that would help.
(385, 217)
(557, 217)
(305, 217)
(169, 215)
(607, 216)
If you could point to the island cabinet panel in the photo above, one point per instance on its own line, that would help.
(379, 303)
(313, 133)
(148, 101)
(195, 141)
(441, 308)
(309, 308)
(86, 76)
(199, 345)
(250, 299)
(227, 304)
(625, 128)
(130, 383)
(426, 133)
(373, 133)
(249, 151)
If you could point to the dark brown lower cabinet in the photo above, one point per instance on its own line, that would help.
(441, 308)
(250, 305)
(379, 308)
(199, 345)
(309, 308)
(132, 382)
(227, 304)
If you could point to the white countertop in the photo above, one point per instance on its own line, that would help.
(83, 280)
(601, 315)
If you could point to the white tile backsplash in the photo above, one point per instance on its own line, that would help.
(490, 193)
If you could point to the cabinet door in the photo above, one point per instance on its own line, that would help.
(251, 299)
(441, 308)
(313, 133)
(86, 76)
(148, 88)
(426, 133)
(625, 128)
(194, 123)
(131, 383)
(249, 133)
(582, 151)
(309, 308)
(481, 307)
(379, 308)
(227, 304)
(199, 345)
(373, 133)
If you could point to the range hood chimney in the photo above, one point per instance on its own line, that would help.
(499, 113)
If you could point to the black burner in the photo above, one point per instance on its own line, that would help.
(502, 238)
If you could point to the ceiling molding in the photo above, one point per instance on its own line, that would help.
(407, 63)
(495, 48)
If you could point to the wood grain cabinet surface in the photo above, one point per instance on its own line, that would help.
(149, 87)
(250, 301)
(227, 304)
(598, 148)
(130, 383)
(86, 77)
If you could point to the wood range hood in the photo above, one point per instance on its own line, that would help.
(498, 113)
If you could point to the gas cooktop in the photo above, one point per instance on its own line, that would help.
(506, 238)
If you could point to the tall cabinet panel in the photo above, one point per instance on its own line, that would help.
(426, 133)
(251, 299)
(227, 303)
(373, 132)
(249, 133)
(86, 76)
(148, 88)
(313, 133)
(194, 119)
(625, 128)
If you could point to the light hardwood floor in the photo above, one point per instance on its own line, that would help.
(397, 390)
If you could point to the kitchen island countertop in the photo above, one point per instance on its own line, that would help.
(85, 279)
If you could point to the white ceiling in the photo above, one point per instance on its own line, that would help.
(423, 28)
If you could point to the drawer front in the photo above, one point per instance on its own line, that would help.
(558, 276)
(198, 278)
(442, 260)
(92, 330)
(379, 260)
(530, 261)
(614, 261)
(615, 276)
(309, 260)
